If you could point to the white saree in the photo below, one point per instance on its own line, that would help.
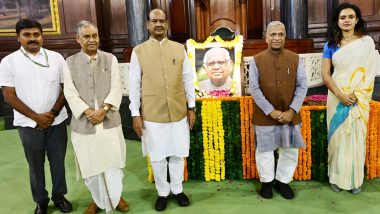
(354, 71)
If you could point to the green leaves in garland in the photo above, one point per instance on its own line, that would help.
(319, 145)
(232, 139)
(195, 161)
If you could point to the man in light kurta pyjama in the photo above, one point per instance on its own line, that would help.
(93, 91)
(278, 85)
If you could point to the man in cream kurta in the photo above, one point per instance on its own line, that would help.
(93, 91)
(161, 83)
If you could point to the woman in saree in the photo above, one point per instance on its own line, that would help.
(353, 59)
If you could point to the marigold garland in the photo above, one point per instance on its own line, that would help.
(303, 170)
(200, 45)
(228, 44)
(247, 138)
(254, 172)
(185, 172)
(213, 140)
(372, 162)
(150, 170)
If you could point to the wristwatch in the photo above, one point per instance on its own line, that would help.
(55, 112)
(106, 108)
(192, 109)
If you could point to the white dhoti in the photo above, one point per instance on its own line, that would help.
(100, 159)
(98, 152)
(106, 188)
(162, 140)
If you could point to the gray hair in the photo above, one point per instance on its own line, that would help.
(275, 23)
(216, 49)
(83, 24)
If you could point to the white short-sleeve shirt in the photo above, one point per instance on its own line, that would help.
(36, 86)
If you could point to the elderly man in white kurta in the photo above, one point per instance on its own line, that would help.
(93, 91)
(161, 83)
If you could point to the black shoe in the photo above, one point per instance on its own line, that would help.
(284, 190)
(41, 209)
(182, 199)
(63, 204)
(161, 203)
(266, 190)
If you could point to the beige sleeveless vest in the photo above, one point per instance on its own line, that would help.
(162, 91)
(90, 85)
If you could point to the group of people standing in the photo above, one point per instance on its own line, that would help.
(36, 82)
(278, 85)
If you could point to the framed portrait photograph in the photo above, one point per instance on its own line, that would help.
(216, 66)
(44, 11)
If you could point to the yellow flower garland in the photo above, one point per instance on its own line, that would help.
(204, 113)
(213, 140)
(228, 44)
(150, 170)
(199, 45)
(213, 137)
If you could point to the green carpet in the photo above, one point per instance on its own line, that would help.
(206, 197)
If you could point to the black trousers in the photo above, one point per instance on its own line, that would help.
(37, 143)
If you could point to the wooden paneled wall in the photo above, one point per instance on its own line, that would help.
(115, 27)
(64, 43)
(320, 12)
(255, 19)
(178, 17)
(254, 46)
(108, 15)
(212, 14)
(246, 17)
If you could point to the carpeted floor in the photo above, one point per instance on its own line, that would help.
(206, 197)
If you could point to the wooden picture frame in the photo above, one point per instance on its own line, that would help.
(44, 11)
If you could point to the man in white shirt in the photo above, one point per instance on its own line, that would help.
(32, 83)
(93, 91)
(161, 83)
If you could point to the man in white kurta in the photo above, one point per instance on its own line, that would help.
(161, 84)
(93, 91)
(32, 83)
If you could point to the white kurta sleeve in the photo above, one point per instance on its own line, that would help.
(188, 82)
(77, 105)
(115, 94)
(134, 85)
